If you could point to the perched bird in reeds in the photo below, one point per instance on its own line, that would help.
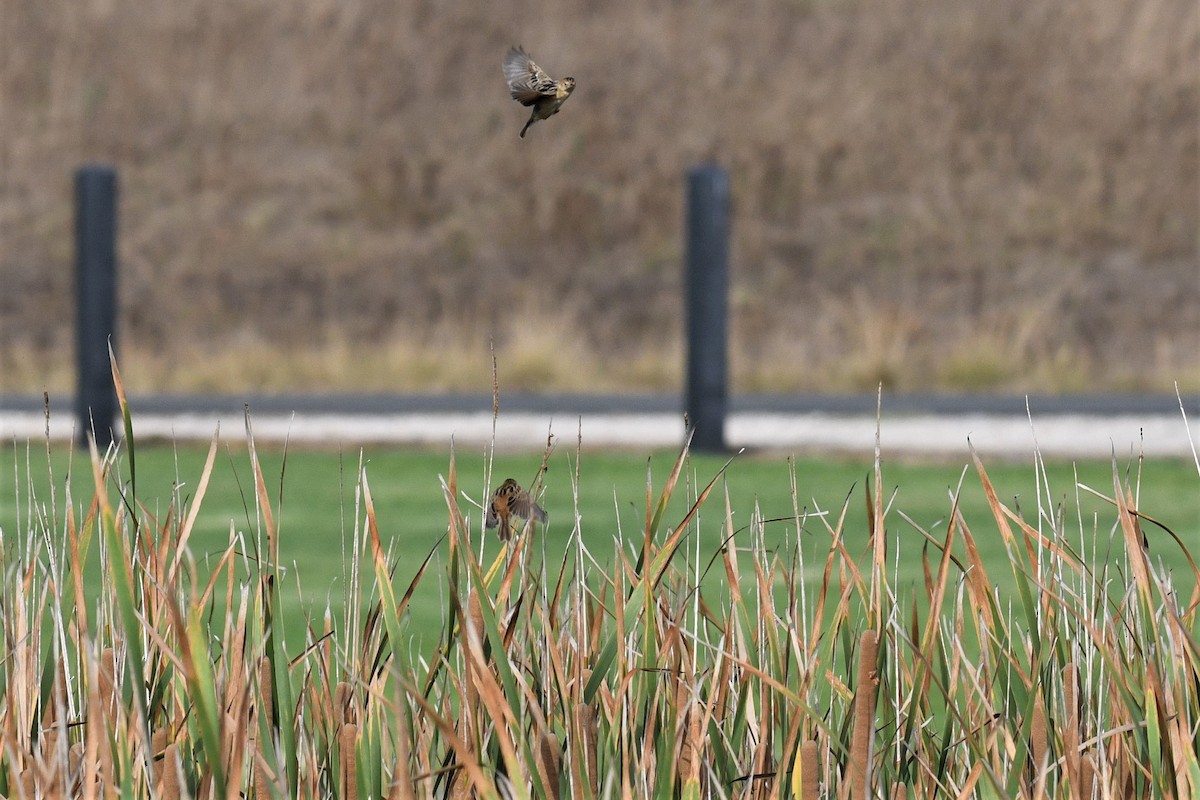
(510, 500)
(529, 85)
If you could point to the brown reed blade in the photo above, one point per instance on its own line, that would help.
(107, 673)
(1071, 733)
(994, 502)
(52, 774)
(474, 637)
(260, 489)
(688, 733)
(977, 577)
(465, 757)
(588, 725)
(763, 763)
(185, 532)
(494, 702)
(75, 764)
(402, 783)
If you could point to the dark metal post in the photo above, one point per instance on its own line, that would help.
(707, 304)
(96, 296)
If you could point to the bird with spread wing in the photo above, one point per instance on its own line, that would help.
(530, 86)
(510, 500)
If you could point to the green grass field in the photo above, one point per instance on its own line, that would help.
(313, 493)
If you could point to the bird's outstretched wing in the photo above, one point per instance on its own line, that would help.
(524, 507)
(526, 80)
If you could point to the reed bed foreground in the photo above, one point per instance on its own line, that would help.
(655, 669)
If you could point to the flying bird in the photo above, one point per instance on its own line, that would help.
(510, 500)
(529, 85)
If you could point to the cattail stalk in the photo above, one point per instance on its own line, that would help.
(262, 781)
(549, 759)
(1038, 738)
(862, 741)
(170, 773)
(347, 739)
(810, 765)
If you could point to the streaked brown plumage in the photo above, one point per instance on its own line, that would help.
(510, 500)
(529, 85)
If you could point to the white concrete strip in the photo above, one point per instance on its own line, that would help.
(1061, 436)
(1013, 437)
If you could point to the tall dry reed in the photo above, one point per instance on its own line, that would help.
(665, 667)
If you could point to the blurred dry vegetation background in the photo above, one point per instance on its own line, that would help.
(331, 194)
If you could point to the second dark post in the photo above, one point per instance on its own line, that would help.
(96, 296)
(707, 305)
